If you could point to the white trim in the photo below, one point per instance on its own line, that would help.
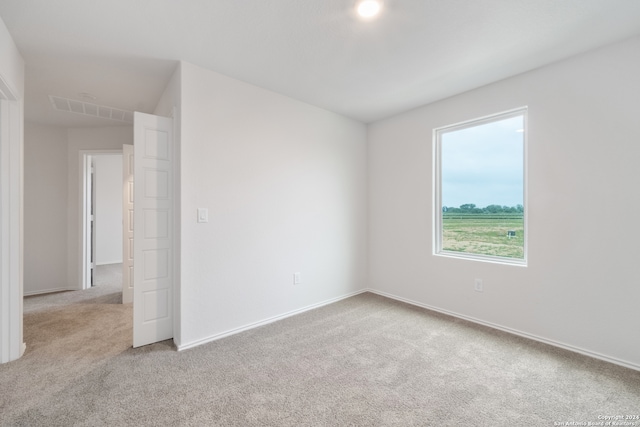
(436, 191)
(265, 321)
(482, 120)
(87, 219)
(5, 91)
(516, 262)
(83, 171)
(109, 262)
(437, 187)
(553, 343)
(11, 224)
(48, 291)
(177, 209)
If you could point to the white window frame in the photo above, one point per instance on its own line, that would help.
(437, 187)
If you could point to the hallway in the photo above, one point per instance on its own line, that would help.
(68, 334)
(107, 290)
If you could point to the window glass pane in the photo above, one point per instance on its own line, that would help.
(482, 188)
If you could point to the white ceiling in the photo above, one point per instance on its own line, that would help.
(317, 51)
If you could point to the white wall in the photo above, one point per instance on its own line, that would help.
(105, 138)
(45, 209)
(11, 63)
(580, 288)
(285, 185)
(108, 208)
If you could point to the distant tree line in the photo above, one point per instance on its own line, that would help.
(470, 208)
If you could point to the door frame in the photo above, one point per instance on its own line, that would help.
(12, 345)
(127, 223)
(84, 211)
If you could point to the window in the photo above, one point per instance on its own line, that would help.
(480, 210)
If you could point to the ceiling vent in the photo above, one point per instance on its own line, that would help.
(89, 109)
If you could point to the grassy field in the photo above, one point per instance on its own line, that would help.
(483, 234)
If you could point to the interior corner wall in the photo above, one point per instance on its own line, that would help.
(108, 208)
(285, 186)
(103, 138)
(45, 209)
(171, 95)
(580, 288)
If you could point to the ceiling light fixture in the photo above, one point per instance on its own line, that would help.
(368, 9)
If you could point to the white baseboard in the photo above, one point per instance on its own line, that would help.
(569, 347)
(48, 291)
(264, 322)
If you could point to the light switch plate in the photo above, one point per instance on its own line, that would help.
(203, 215)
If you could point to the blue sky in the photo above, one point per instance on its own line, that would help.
(484, 164)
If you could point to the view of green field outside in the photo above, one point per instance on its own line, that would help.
(484, 233)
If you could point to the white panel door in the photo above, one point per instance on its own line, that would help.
(127, 224)
(152, 234)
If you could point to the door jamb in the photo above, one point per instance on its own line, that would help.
(85, 170)
(12, 345)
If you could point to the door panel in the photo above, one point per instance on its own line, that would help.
(152, 234)
(127, 225)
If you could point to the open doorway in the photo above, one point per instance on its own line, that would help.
(102, 219)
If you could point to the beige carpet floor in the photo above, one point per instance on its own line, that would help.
(363, 361)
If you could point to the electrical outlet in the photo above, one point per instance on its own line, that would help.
(296, 278)
(478, 285)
